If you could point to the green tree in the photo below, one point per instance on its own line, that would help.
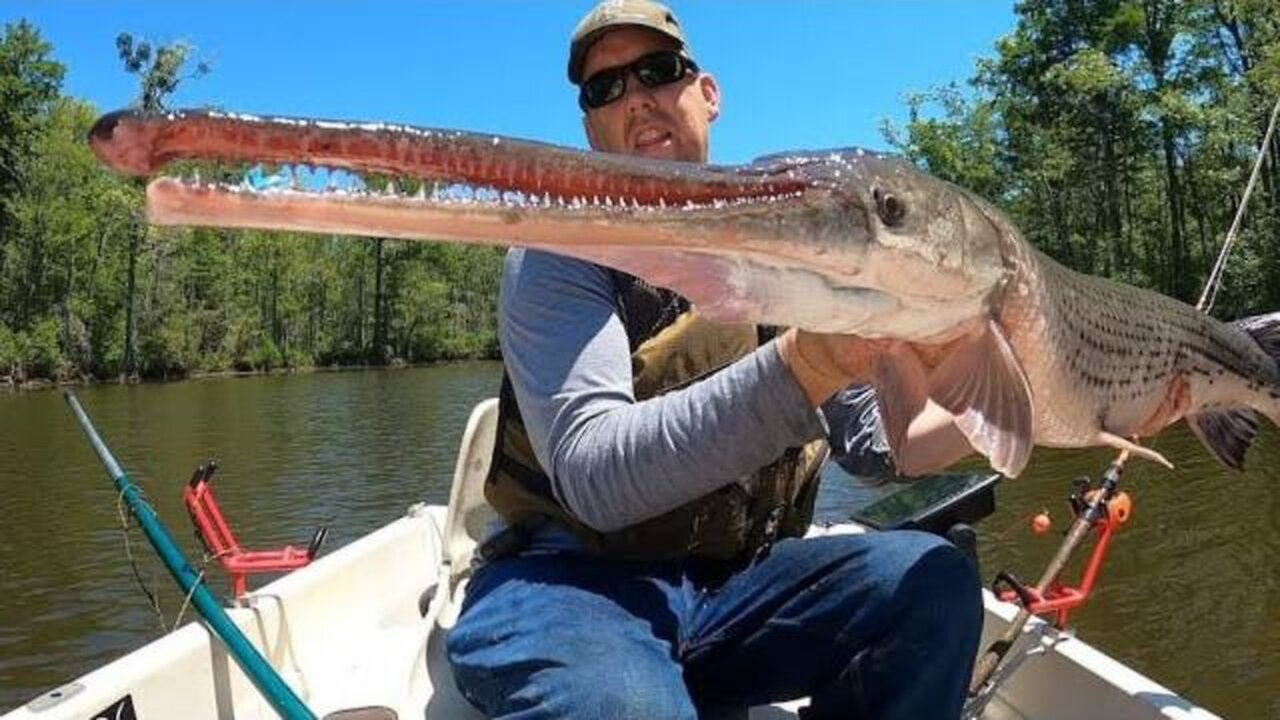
(1119, 134)
(159, 69)
(159, 73)
(30, 81)
(67, 222)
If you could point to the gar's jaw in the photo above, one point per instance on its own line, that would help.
(767, 242)
(496, 181)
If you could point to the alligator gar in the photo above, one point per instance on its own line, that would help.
(955, 308)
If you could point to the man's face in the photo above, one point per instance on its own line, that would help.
(671, 122)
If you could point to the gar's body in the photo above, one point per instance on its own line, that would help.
(1108, 357)
(958, 312)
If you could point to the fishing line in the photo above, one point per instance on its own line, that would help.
(152, 597)
(1211, 286)
(187, 601)
(133, 563)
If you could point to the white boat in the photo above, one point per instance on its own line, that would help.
(364, 626)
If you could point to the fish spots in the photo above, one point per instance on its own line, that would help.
(1121, 345)
(1104, 348)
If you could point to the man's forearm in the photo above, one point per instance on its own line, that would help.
(638, 460)
(614, 461)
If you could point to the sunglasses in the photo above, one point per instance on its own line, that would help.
(653, 70)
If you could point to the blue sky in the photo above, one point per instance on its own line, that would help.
(802, 74)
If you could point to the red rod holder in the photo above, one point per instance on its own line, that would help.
(1061, 599)
(218, 539)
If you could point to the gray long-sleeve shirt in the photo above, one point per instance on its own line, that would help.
(614, 461)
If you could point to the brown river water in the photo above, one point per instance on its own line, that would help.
(1190, 594)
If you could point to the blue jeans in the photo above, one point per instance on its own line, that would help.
(883, 625)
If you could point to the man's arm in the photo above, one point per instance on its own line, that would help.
(858, 442)
(614, 461)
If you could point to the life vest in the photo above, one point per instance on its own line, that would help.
(671, 347)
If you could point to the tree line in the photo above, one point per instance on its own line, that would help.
(88, 290)
(1117, 133)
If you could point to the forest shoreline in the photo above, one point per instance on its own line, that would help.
(12, 386)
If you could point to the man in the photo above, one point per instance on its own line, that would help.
(651, 466)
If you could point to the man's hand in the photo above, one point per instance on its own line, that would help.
(825, 364)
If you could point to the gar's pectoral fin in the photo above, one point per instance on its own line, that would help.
(982, 384)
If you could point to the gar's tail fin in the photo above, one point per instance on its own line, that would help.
(1228, 432)
(1265, 330)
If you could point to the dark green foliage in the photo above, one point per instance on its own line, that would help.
(1119, 135)
(29, 82)
(202, 300)
(159, 75)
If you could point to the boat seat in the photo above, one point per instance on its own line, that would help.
(470, 518)
(467, 521)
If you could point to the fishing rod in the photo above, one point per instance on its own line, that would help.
(264, 677)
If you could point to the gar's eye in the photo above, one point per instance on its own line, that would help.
(890, 209)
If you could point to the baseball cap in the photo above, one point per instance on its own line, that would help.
(613, 14)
